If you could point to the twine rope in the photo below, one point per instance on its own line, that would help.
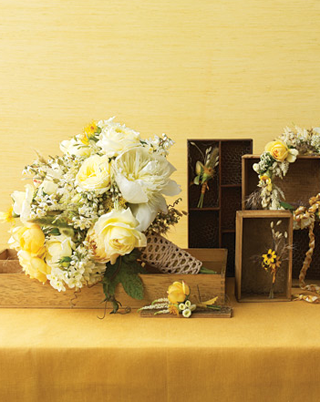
(302, 215)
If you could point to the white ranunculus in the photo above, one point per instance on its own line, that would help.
(116, 138)
(57, 248)
(22, 202)
(115, 234)
(94, 174)
(143, 179)
(73, 147)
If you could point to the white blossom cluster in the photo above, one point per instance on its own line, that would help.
(305, 141)
(80, 270)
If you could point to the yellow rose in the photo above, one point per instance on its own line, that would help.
(35, 267)
(28, 238)
(281, 152)
(115, 234)
(178, 292)
(94, 174)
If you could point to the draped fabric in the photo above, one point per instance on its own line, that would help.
(266, 352)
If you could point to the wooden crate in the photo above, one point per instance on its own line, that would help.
(301, 182)
(298, 187)
(253, 237)
(18, 290)
(214, 224)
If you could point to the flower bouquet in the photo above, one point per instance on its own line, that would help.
(86, 214)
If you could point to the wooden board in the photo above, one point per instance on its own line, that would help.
(225, 312)
(253, 236)
(19, 291)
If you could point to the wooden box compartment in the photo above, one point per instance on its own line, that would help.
(17, 290)
(301, 182)
(211, 225)
(254, 238)
(206, 226)
(298, 187)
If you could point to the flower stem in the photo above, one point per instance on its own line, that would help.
(271, 294)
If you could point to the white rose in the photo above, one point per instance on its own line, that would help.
(22, 202)
(94, 174)
(73, 147)
(115, 234)
(57, 248)
(142, 179)
(116, 138)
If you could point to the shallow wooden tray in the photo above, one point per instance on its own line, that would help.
(19, 291)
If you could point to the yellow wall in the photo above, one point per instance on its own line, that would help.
(192, 69)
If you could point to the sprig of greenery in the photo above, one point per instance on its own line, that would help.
(126, 271)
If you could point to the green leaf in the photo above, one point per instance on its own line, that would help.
(131, 283)
(286, 205)
(125, 271)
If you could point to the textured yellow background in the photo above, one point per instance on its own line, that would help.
(192, 69)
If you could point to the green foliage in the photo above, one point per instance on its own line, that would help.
(286, 205)
(126, 271)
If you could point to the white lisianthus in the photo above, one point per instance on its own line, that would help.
(115, 234)
(142, 179)
(94, 174)
(48, 187)
(74, 147)
(22, 202)
(57, 248)
(116, 138)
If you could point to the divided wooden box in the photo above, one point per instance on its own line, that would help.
(254, 238)
(19, 291)
(214, 224)
(301, 182)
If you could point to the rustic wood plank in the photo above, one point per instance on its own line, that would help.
(225, 312)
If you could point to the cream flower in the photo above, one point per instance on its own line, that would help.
(116, 138)
(34, 266)
(74, 147)
(57, 248)
(22, 202)
(115, 234)
(142, 179)
(94, 174)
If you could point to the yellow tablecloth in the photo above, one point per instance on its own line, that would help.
(266, 352)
